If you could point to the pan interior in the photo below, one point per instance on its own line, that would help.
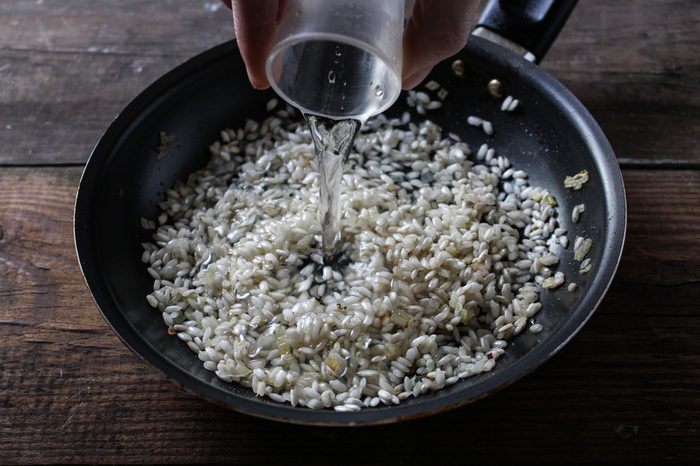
(125, 180)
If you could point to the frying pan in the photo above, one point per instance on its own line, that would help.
(550, 135)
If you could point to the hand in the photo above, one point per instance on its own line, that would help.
(435, 30)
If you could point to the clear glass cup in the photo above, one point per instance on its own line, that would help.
(338, 59)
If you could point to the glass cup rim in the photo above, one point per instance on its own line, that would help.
(344, 39)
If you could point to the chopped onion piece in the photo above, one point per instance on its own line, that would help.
(577, 181)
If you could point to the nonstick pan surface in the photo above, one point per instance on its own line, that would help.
(551, 135)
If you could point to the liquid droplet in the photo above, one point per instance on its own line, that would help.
(338, 52)
(379, 92)
(331, 77)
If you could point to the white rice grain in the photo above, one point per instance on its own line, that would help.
(446, 253)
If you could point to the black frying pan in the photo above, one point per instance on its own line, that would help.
(550, 136)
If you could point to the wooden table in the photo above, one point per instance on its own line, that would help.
(625, 389)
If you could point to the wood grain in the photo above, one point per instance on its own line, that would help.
(636, 67)
(118, 27)
(67, 69)
(663, 227)
(625, 389)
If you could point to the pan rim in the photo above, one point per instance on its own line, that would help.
(420, 407)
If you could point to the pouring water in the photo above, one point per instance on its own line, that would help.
(339, 63)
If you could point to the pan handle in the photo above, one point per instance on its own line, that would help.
(528, 27)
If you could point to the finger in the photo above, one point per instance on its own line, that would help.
(255, 24)
(435, 31)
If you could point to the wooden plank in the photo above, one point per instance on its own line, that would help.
(66, 70)
(625, 389)
(122, 27)
(663, 227)
(636, 67)
(81, 94)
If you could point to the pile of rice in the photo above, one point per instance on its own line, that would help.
(447, 252)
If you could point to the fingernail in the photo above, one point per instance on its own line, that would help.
(257, 83)
(416, 77)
